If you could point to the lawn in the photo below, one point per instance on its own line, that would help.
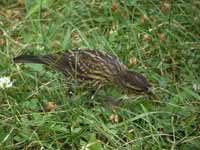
(160, 39)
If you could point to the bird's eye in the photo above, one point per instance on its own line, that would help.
(146, 88)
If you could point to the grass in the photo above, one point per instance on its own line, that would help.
(162, 36)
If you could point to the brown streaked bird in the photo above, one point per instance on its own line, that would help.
(97, 67)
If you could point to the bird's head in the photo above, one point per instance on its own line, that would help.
(136, 82)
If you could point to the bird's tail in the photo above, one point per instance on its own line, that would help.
(55, 61)
(29, 59)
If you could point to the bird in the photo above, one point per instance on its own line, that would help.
(96, 67)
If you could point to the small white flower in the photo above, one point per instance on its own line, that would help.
(85, 147)
(40, 47)
(113, 32)
(5, 82)
(196, 87)
(150, 30)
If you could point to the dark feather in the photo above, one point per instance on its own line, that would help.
(91, 65)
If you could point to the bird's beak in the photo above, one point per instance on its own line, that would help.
(151, 91)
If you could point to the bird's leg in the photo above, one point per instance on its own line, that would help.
(97, 86)
(70, 85)
(70, 91)
(115, 100)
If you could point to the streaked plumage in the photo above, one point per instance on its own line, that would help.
(97, 67)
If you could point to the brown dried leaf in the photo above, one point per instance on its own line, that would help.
(55, 44)
(21, 3)
(2, 42)
(147, 38)
(143, 19)
(8, 14)
(162, 37)
(51, 106)
(165, 8)
(132, 61)
(114, 118)
(115, 7)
